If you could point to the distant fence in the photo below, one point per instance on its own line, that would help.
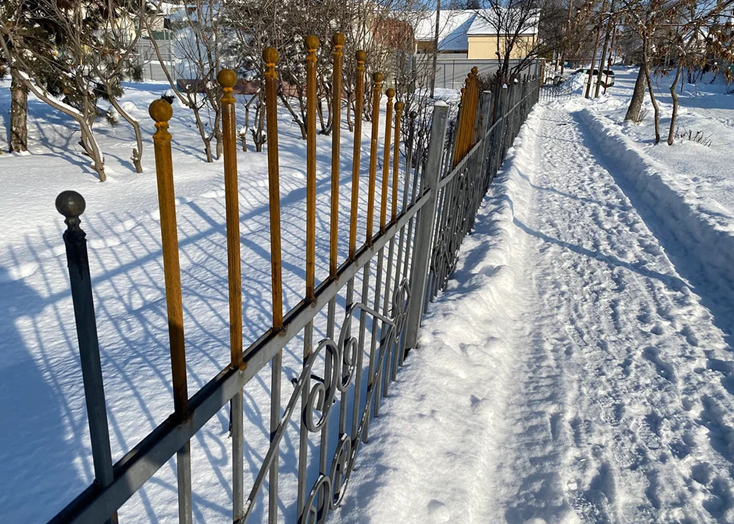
(404, 263)
(451, 72)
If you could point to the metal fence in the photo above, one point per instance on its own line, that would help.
(403, 264)
(552, 92)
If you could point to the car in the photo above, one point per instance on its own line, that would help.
(607, 75)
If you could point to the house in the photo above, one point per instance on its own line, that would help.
(474, 34)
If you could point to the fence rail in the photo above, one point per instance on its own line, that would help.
(344, 376)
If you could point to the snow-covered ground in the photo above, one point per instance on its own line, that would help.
(578, 368)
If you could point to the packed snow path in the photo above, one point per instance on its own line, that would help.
(569, 374)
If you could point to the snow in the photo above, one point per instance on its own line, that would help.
(578, 367)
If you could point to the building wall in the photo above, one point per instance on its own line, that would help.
(485, 46)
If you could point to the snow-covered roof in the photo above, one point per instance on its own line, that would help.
(487, 21)
(455, 26)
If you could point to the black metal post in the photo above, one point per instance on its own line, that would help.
(71, 204)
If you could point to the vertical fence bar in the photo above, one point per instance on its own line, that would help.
(71, 204)
(391, 371)
(227, 79)
(424, 226)
(376, 92)
(270, 57)
(360, 56)
(312, 43)
(381, 256)
(161, 111)
(336, 105)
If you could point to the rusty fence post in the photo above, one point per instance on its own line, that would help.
(270, 57)
(227, 80)
(71, 204)
(161, 112)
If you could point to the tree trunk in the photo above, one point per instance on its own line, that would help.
(674, 96)
(607, 37)
(138, 151)
(651, 89)
(593, 55)
(295, 116)
(18, 116)
(638, 96)
(349, 112)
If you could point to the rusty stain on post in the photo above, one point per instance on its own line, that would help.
(312, 43)
(361, 56)
(376, 91)
(396, 161)
(386, 161)
(270, 57)
(338, 42)
(227, 79)
(161, 111)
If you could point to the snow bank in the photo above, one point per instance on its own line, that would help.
(430, 458)
(702, 226)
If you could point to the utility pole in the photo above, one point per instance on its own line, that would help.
(435, 50)
(568, 35)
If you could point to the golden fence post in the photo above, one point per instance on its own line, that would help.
(376, 92)
(312, 43)
(475, 108)
(161, 111)
(270, 57)
(396, 161)
(386, 161)
(227, 79)
(458, 135)
(338, 41)
(361, 56)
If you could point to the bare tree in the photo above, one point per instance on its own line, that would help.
(35, 59)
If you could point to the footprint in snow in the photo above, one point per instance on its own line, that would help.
(438, 511)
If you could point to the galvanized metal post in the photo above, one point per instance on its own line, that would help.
(71, 204)
(424, 229)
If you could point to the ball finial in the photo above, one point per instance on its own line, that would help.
(70, 204)
(227, 78)
(390, 92)
(361, 56)
(337, 39)
(270, 55)
(312, 42)
(160, 110)
(378, 78)
(399, 106)
(474, 70)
